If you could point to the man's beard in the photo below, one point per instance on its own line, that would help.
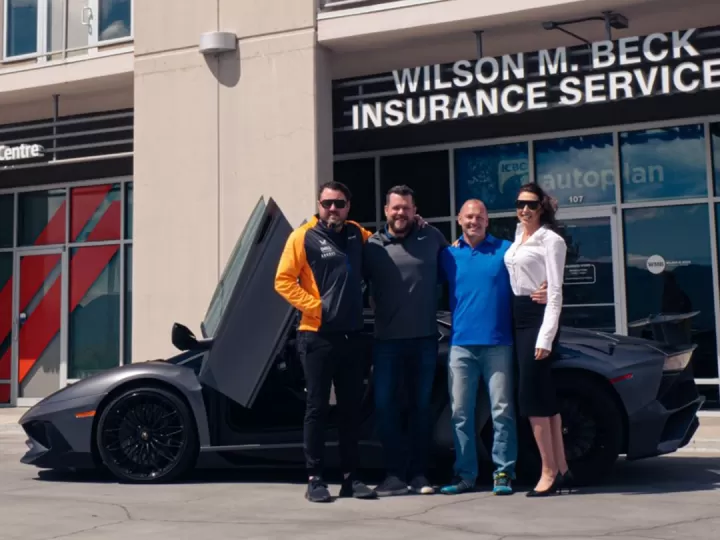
(394, 227)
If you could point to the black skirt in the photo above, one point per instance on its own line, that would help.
(536, 390)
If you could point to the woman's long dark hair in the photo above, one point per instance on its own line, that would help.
(547, 217)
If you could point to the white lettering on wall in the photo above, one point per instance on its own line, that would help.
(438, 93)
(23, 151)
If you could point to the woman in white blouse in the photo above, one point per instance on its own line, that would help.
(538, 255)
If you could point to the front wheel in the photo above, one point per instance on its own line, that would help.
(147, 435)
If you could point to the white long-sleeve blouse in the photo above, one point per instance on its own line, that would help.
(540, 258)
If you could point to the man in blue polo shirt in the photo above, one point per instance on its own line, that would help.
(481, 347)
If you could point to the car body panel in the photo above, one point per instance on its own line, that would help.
(74, 436)
(254, 319)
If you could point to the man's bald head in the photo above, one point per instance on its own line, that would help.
(473, 219)
(473, 205)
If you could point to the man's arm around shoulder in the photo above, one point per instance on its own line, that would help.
(291, 264)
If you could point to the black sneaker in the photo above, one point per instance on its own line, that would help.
(392, 485)
(317, 491)
(355, 488)
(421, 486)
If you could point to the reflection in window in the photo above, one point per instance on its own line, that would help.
(503, 227)
(21, 27)
(664, 163)
(669, 271)
(715, 138)
(359, 176)
(115, 19)
(6, 270)
(129, 210)
(589, 265)
(127, 345)
(7, 212)
(492, 174)
(95, 213)
(94, 331)
(41, 217)
(426, 173)
(577, 171)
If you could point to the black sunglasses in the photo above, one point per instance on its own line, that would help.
(532, 205)
(339, 203)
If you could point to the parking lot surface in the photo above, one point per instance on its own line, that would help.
(674, 497)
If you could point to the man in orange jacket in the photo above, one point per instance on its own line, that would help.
(320, 274)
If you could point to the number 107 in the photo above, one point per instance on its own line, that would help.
(575, 199)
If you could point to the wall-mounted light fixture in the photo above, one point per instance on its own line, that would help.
(217, 42)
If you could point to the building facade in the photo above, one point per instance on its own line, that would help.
(130, 159)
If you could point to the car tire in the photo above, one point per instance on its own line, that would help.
(147, 435)
(593, 427)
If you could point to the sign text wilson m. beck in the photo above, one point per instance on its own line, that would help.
(605, 71)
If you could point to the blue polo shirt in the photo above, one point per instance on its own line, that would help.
(480, 293)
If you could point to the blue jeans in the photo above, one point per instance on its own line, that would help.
(492, 364)
(412, 362)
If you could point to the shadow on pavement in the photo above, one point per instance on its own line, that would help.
(675, 474)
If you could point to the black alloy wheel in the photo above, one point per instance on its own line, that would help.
(593, 427)
(147, 435)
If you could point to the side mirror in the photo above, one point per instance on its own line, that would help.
(183, 338)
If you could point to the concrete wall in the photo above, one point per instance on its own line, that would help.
(212, 136)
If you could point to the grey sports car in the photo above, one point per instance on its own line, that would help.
(235, 397)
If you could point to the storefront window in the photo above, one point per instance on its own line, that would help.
(129, 210)
(41, 217)
(577, 171)
(426, 173)
(669, 271)
(715, 138)
(94, 330)
(6, 270)
(359, 176)
(127, 345)
(95, 213)
(492, 174)
(664, 163)
(7, 214)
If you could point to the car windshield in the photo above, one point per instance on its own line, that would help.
(232, 271)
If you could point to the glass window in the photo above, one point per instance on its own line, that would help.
(41, 217)
(669, 271)
(715, 138)
(21, 27)
(115, 19)
(426, 173)
(492, 174)
(127, 345)
(577, 171)
(231, 273)
(359, 176)
(94, 330)
(95, 213)
(503, 227)
(665, 163)
(7, 214)
(129, 210)
(6, 270)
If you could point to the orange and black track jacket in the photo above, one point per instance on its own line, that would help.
(320, 274)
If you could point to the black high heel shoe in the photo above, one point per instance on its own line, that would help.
(567, 482)
(552, 490)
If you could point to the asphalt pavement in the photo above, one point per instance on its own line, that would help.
(673, 498)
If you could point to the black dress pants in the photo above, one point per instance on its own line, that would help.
(326, 359)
